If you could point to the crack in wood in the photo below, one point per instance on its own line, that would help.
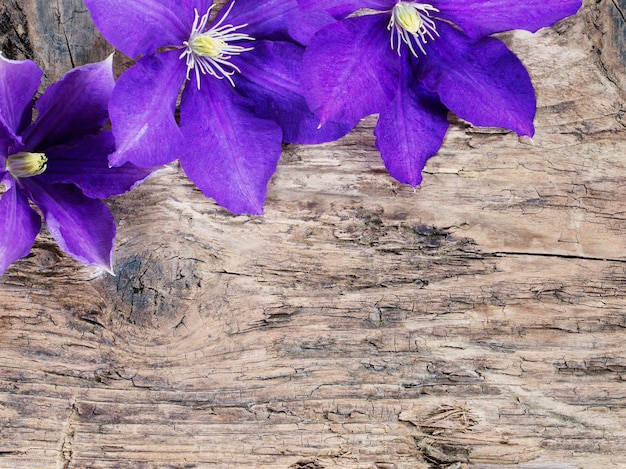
(620, 10)
(555, 255)
(66, 451)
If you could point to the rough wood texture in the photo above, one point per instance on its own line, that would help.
(477, 322)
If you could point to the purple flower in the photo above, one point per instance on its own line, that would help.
(412, 62)
(240, 76)
(59, 162)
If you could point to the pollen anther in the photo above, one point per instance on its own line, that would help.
(25, 164)
(208, 52)
(412, 24)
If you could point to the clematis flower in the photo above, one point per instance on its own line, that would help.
(59, 162)
(240, 76)
(411, 62)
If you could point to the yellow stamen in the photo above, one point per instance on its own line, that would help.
(208, 50)
(26, 164)
(208, 46)
(408, 18)
(411, 23)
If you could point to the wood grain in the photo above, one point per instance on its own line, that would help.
(478, 322)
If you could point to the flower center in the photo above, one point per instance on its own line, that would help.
(208, 51)
(413, 25)
(207, 46)
(25, 164)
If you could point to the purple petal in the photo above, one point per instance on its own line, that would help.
(264, 19)
(187, 11)
(83, 227)
(86, 166)
(342, 8)
(9, 145)
(302, 27)
(410, 130)
(74, 106)
(349, 69)
(142, 111)
(19, 80)
(232, 153)
(480, 81)
(270, 78)
(19, 225)
(478, 18)
(140, 27)
(279, 20)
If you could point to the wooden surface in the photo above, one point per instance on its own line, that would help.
(477, 322)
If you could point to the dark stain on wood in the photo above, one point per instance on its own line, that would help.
(14, 40)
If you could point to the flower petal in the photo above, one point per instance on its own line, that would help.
(140, 27)
(270, 78)
(19, 80)
(349, 69)
(83, 227)
(86, 166)
(478, 18)
(187, 11)
(142, 111)
(480, 81)
(19, 225)
(264, 19)
(279, 20)
(410, 130)
(9, 145)
(342, 8)
(302, 27)
(232, 153)
(74, 106)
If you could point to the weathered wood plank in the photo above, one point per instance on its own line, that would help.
(477, 322)
(58, 35)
